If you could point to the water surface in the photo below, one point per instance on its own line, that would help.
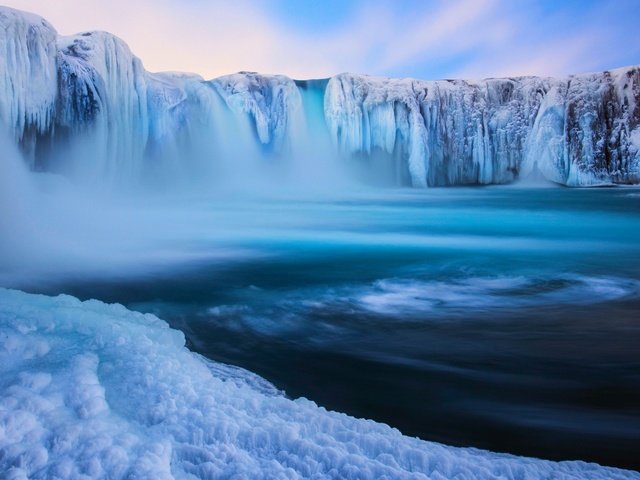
(502, 318)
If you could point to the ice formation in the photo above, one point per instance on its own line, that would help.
(575, 131)
(28, 74)
(91, 390)
(84, 104)
(273, 102)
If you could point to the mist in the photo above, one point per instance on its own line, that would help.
(103, 201)
(200, 206)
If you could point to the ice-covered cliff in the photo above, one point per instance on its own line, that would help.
(580, 130)
(84, 104)
(28, 71)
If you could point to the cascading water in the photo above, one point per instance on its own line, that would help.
(86, 107)
(314, 162)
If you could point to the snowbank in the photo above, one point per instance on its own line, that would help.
(96, 391)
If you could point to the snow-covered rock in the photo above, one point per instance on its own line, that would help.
(84, 104)
(272, 101)
(89, 390)
(575, 131)
(28, 76)
(102, 85)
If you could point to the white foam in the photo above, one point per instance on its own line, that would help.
(397, 296)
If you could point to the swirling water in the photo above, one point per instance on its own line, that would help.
(503, 318)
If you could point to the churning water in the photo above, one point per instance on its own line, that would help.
(503, 318)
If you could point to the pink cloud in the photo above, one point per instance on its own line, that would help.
(212, 38)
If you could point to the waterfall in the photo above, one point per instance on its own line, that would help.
(84, 105)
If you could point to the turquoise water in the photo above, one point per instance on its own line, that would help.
(503, 318)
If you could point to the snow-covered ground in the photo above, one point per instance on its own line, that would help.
(90, 390)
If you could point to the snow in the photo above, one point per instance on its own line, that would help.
(272, 101)
(495, 130)
(85, 105)
(102, 65)
(27, 72)
(91, 390)
(635, 139)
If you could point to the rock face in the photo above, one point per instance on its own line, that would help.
(84, 105)
(580, 130)
(28, 71)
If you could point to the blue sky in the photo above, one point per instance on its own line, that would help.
(311, 39)
(554, 36)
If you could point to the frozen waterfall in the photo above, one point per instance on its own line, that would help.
(85, 106)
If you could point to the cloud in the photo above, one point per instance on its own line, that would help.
(457, 38)
(560, 41)
(211, 38)
(437, 32)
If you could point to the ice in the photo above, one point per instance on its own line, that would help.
(91, 390)
(273, 102)
(85, 105)
(28, 75)
(104, 84)
(575, 131)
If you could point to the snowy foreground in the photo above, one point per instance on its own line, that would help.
(96, 391)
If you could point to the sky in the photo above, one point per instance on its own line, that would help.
(402, 38)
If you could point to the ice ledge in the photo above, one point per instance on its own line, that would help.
(97, 391)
